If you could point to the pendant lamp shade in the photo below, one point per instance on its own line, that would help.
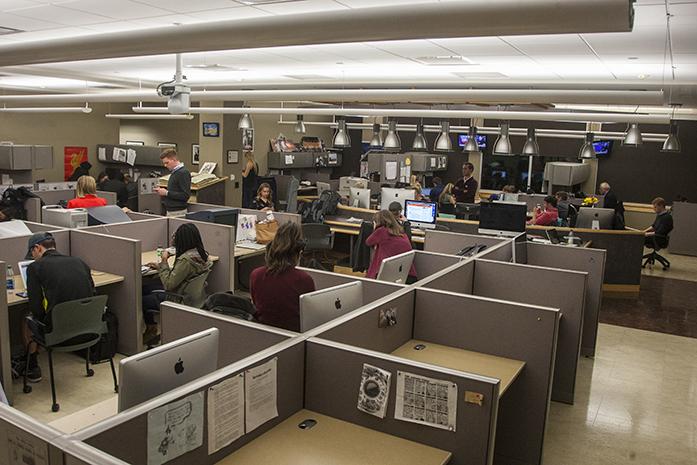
(587, 151)
(531, 147)
(419, 139)
(376, 141)
(633, 136)
(392, 142)
(245, 122)
(502, 146)
(471, 145)
(341, 138)
(300, 125)
(443, 143)
(672, 143)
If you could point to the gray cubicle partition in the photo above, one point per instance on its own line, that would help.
(5, 352)
(151, 202)
(429, 263)
(502, 252)
(56, 196)
(452, 243)
(78, 453)
(33, 208)
(562, 289)
(458, 278)
(136, 216)
(585, 259)
(152, 233)
(24, 440)
(682, 239)
(125, 436)
(280, 216)
(238, 338)
(372, 289)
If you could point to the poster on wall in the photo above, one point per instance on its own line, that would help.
(73, 156)
(195, 153)
(248, 139)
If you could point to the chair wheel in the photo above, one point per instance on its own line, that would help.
(665, 268)
(55, 407)
(90, 372)
(116, 389)
(26, 389)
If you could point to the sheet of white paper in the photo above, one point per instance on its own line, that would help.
(260, 395)
(6, 179)
(23, 448)
(390, 170)
(427, 401)
(225, 412)
(115, 154)
(289, 159)
(131, 157)
(374, 390)
(122, 155)
(175, 429)
(433, 162)
(101, 153)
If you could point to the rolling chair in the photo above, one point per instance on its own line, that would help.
(291, 204)
(75, 325)
(318, 237)
(656, 243)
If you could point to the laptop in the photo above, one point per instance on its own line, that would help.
(23, 265)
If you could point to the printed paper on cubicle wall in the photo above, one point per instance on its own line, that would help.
(225, 412)
(23, 448)
(374, 390)
(426, 401)
(260, 395)
(175, 429)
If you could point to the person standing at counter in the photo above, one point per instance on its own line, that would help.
(466, 187)
(176, 196)
(250, 173)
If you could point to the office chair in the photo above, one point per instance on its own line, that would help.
(291, 204)
(656, 243)
(76, 325)
(318, 236)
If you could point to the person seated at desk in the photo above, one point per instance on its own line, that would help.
(191, 261)
(116, 185)
(86, 194)
(548, 216)
(566, 210)
(52, 278)
(264, 199)
(507, 189)
(276, 288)
(661, 227)
(389, 240)
(436, 189)
(446, 200)
(396, 210)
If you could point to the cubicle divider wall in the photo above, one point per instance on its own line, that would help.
(150, 202)
(152, 233)
(372, 289)
(452, 243)
(33, 209)
(458, 278)
(502, 252)
(279, 216)
(24, 440)
(5, 352)
(430, 263)
(136, 216)
(60, 195)
(78, 453)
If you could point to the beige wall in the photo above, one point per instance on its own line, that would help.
(60, 130)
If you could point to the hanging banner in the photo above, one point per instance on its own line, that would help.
(73, 156)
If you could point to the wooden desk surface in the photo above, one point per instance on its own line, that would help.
(332, 442)
(100, 278)
(505, 369)
(151, 257)
(243, 252)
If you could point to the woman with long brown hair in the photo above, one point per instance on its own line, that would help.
(389, 240)
(276, 288)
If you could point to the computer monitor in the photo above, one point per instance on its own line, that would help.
(508, 197)
(595, 218)
(421, 214)
(602, 148)
(108, 214)
(390, 194)
(396, 269)
(227, 216)
(466, 210)
(463, 138)
(156, 371)
(520, 249)
(316, 308)
(323, 186)
(502, 218)
(347, 182)
(23, 270)
(359, 198)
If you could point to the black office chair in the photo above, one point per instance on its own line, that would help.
(318, 237)
(75, 325)
(656, 243)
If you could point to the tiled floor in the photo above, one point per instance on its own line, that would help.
(681, 267)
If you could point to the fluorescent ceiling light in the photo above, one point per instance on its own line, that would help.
(444, 60)
(143, 116)
(85, 110)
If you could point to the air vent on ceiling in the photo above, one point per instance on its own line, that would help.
(215, 67)
(444, 60)
(481, 75)
(308, 77)
(9, 30)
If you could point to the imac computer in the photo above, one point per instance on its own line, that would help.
(227, 216)
(520, 249)
(359, 198)
(316, 308)
(502, 218)
(154, 372)
(421, 214)
(396, 269)
(390, 194)
(323, 186)
(595, 218)
(347, 182)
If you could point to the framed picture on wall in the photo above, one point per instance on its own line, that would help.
(135, 142)
(211, 129)
(195, 150)
(233, 156)
(248, 139)
(167, 145)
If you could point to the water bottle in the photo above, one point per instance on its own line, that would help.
(570, 238)
(10, 278)
(159, 251)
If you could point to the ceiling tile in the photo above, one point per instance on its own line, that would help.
(377, 3)
(61, 15)
(188, 6)
(116, 9)
(476, 46)
(646, 40)
(240, 12)
(24, 23)
(9, 5)
(555, 44)
(303, 6)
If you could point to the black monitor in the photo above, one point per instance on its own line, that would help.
(227, 216)
(502, 218)
(107, 214)
(520, 249)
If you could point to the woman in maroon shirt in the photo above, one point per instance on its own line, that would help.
(389, 240)
(276, 288)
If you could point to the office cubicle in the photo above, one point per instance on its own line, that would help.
(26, 441)
(452, 243)
(682, 239)
(372, 289)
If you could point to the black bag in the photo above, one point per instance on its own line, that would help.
(12, 203)
(327, 204)
(231, 305)
(105, 349)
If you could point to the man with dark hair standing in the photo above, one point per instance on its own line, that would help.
(466, 187)
(176, 196)
(53, 278)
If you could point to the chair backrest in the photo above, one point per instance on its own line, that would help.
(77, 317)
(292, 197)
(317, 235)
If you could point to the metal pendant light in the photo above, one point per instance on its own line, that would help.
(531, 147)
(419, 139)
(587, 151)
(245, 122)
(443, 143)
(633, 136)
(376, 141)
(672, 143)
(341, 138)
(502, 146)
(471, 145)
(300, 125)
(392, 142)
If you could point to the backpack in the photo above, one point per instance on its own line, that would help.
(327, 204)
(231, 305)
(12, 203)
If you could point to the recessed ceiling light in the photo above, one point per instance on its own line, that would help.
(444, 60)
(632, 58)
(643, 76)
(215, 67)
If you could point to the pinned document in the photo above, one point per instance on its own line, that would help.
(374, 390)
(175, 429)
(427, 401)
(101, 153)
(225, 412)
(260, 395)
(390, 170)
(131, 157)
(23, 448)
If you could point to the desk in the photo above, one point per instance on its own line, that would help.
(100, 278)
(151, 257)
(332, 442)
(248, 259)
(505, 369)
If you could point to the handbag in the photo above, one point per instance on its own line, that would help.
(266, 231)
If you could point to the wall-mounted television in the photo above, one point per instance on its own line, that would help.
(463, 138)
(602, 147)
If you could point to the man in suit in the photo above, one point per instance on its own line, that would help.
(611, 201)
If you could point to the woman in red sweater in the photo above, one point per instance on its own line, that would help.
(86, 194)
(276, 288)
(389, 240)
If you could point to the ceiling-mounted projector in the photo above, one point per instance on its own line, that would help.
(179, 97)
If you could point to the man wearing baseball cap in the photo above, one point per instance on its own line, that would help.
(52, 278)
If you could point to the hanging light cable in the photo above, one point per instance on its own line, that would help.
(587, 151)
(419, 139)
(443, 143)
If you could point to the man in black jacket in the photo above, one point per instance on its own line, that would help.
(176, 196)
(53, 278)
(114, 183)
